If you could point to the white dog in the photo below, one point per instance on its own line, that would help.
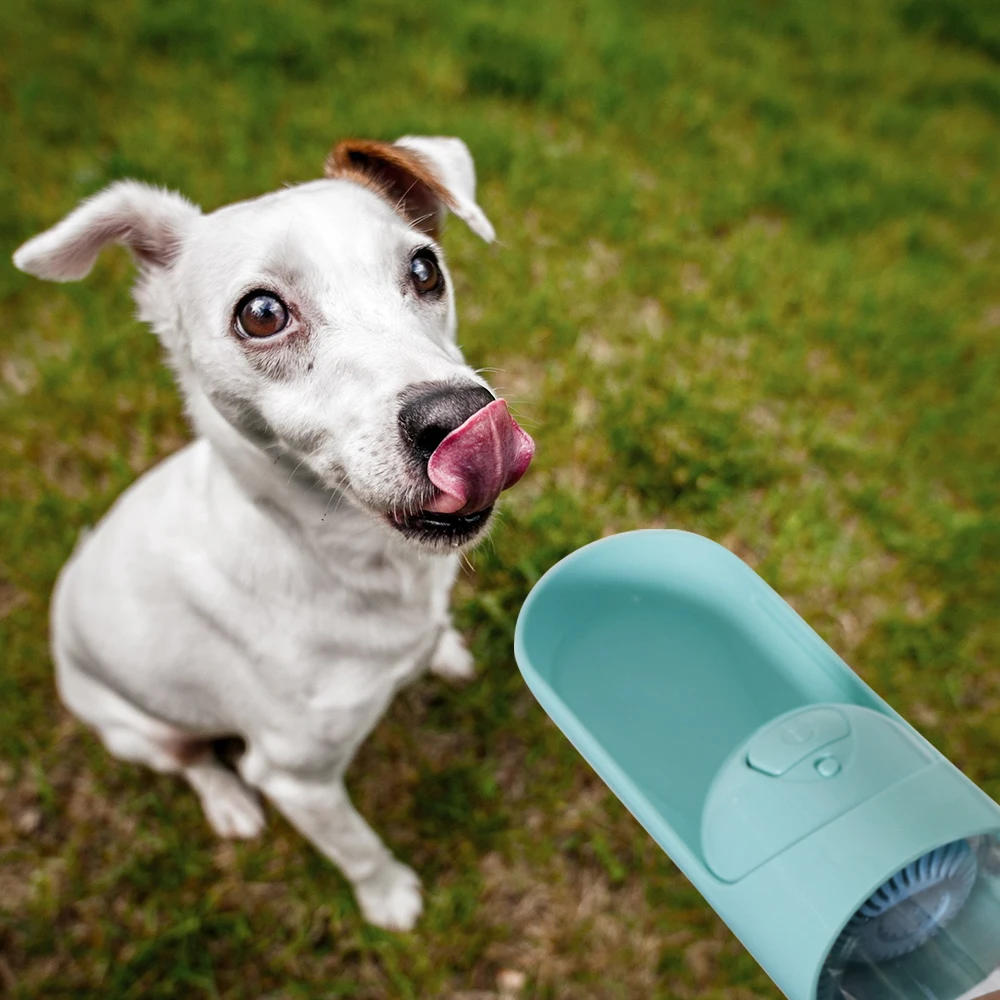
(282, 576)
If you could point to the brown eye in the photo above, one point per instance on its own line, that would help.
(261, 314)
(425, 273)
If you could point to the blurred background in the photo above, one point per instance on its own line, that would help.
(747, 284)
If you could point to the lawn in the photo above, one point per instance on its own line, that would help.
(747, 284)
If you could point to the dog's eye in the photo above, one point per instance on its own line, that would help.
(261, 314)
(424, 272)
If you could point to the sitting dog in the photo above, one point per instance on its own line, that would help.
(283, 575)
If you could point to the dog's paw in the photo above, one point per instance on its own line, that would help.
(451, 660)
(391, 897)
(232, 809)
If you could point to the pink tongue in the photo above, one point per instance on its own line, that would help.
(475, 462)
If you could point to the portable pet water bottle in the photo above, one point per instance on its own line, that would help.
(848, 855)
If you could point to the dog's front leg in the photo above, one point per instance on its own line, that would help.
(387, 891)
(451, 658)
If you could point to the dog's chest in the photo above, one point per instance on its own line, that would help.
(331, 657)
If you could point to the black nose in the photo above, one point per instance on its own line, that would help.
(432, 410)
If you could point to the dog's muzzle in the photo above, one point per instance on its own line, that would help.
(470, 447)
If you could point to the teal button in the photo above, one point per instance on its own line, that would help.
(782, 745)
(827, 767)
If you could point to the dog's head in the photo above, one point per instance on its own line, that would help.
(320, 322)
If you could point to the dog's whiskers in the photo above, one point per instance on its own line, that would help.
(340, 500)
(403, 196)
(328, 502)
(422, 218)
(296, 469)
(338, 491)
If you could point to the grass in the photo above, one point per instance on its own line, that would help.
(748, 284)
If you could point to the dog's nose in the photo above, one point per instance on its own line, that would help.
(434, 409)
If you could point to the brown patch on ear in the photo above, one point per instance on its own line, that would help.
(401, 176)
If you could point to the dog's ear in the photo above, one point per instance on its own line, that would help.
(151, 222)
(423, 176)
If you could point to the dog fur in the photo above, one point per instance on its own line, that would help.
(258, 582)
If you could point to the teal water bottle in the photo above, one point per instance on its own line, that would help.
(850, 857)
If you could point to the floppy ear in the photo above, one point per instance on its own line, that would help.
(151, 222)
(423, 176)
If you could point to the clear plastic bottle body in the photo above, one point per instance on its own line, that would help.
(931, 932)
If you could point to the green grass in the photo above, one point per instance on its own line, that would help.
(748, 284)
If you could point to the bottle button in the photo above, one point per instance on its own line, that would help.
(797, 732)
(827, 767)
(777, 748)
